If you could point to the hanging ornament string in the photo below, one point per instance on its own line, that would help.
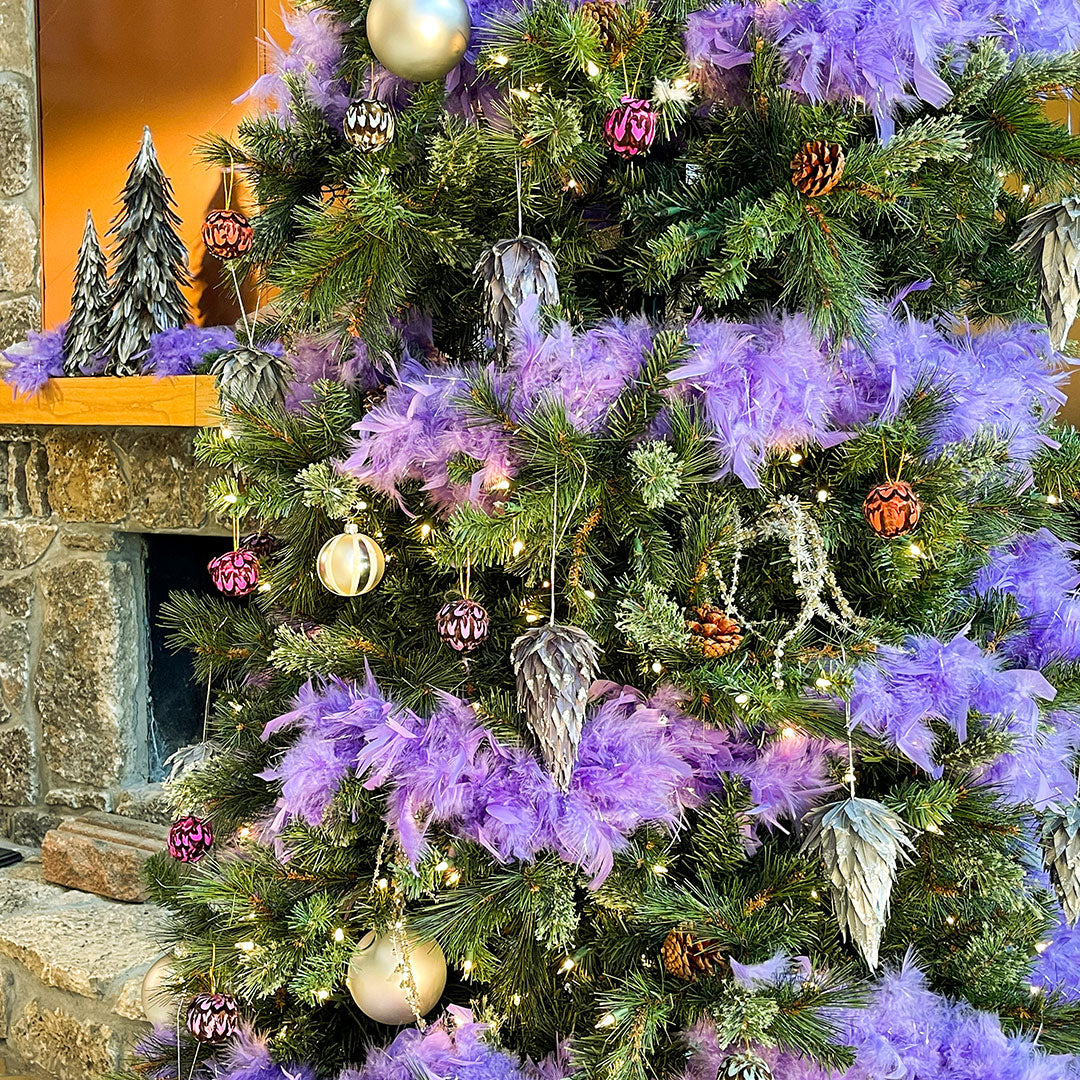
(398, 934)
(228, 182)
(847, 721)
(558, 534)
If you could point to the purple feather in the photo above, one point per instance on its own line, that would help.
(247, 1057)
(181, 351)
(35, 361)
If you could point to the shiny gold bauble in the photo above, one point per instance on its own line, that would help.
(376, 978)
(159, 1003)
(419, 40)
(350, 564)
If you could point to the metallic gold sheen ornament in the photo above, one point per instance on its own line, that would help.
(350, 563)
(377, 978)
(159, 1004)
(420, 40)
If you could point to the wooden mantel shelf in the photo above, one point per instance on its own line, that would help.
(129, 401)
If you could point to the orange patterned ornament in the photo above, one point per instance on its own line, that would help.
(892, 509)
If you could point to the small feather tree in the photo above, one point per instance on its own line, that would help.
(84, 338)
(151, 263)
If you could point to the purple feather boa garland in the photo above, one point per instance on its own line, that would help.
(640, 761)
(907, 1032)
(759, 386)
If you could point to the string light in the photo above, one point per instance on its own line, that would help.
(382, 884)
(741, 699)
(361, 506)
(442, 867)
(950, 919)
(236, 706)
(914, 550)
(246, 946)
(813, 894)
(593, 69)
(501, 485)
(590, 594)
(466, 967)
(567, 966)
(932, 828)
(339, 935)
(323, 994)
(607, 1020)
(1042, 946)
(425, 530)
(244, 832)
(789, 732)
(518, 547)
(795, 458)
(532, 617)
(226, 432)
(453, 877)
(823, 682)
(1052, 499)
(659, 869)
(230, 498)
(657, 667)
(500, 60)
(516, 999)
(823, 495)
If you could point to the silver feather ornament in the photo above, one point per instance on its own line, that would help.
(250, 376)
(510, 271)
(1061, 853)
(1050, 237)
(555, 666)
(860, 841)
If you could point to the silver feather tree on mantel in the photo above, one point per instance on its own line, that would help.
(860, 841)
(555, 666)
(1050, 237)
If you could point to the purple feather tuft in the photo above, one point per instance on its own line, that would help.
(35, 361)
(181, 351)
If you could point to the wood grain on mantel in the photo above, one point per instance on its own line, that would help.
(131, 401)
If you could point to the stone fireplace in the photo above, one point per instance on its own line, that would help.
(92, 525)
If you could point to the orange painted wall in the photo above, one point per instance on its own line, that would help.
(107, 67)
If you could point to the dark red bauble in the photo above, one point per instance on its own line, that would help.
(463, 624)
(236, 573)
(190, 838)
(227, 234)
(630, 129)
(213, 1018)
(260, 544)
(892, 509)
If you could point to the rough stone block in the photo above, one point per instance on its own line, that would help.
(62, 1046)
(102, 854)
(22, 543)
(78, 799)
(14, 664)
(28, 827)
(168, 487)
(17, 597)
(82, 944)
(18, 778)
(20, 315)
(16, 53)
(16, 144)
(86, 482)
(18, 247)
(86, 678)
(145, 802)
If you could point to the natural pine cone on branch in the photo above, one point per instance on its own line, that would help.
(712, 632)
(816, 169)
(686, 958)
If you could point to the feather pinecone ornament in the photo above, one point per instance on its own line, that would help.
(510, 271)
(860, 841)
(711, 631)
(555, 665)
(1050, 237)
(816, 169)
(685, 957)
(1061, 853)
(250, 376)
(744, 1065)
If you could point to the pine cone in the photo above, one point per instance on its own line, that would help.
(510, 271)
(251, 376)
(816, 169)
(609, 18)
(712, 632)
(686, 958)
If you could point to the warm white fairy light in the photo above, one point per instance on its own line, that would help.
(1052, 499)
(607, 1020)
(789, 732)
(466, 967)
(517, 547)
(914, 550)
(382, 884)
(823, 682)
(795, 457)
(659, 869)
(741, 699)
(590, 594)
(246, 946)
(230, 498)
(592, 69)
(567, 966)
(339, 934)
(425, 530)
(657, 667)
(500, 59)
(323, 994)
(822, 495)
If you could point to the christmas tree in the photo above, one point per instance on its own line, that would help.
(150, 264)
(660, 655)
(84, 337)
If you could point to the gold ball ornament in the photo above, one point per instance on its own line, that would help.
(377, 978)
(159, 1003)
(419, 40)
(350, 564)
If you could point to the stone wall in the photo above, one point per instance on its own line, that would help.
(73, 624)
(20, 194)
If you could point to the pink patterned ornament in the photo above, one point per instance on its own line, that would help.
(190, 839)
(236, 573)
(463, 624)
(630, 129)
(213, 1018)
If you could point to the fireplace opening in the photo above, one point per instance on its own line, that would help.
(173, 563)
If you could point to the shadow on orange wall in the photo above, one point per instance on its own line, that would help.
(107, 67)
